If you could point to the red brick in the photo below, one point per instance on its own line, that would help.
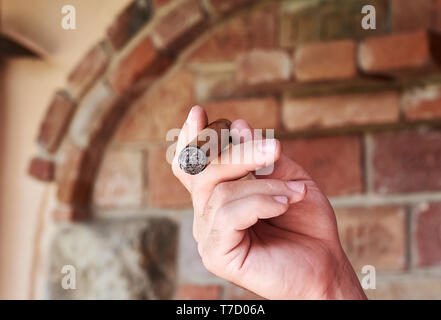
(326, 61)
(62, 214)
(300, 24)
(56, 121)
(88, 70)
(234, 292)
(42, 169)
(163, 189)
(198, 292)
(436, 15)
(179, 26)
(411, 15)
(226, 6)
(256, 30)
(422, 103)
(341, 110)
(163, 108)
(334, 162)
(373, 236)
(128, 22)
(91, 114)
(402, 52)
(427, 236)
(119, 181)
(407, 161)
(406, 286)
(68, 174)
(75, 172)
(214, 85)
(263, 66)
(160, 3)
(71, 213)
(96, 129)
(142, 60)
(260, 113)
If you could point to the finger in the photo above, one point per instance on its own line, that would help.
(195, 123)
(227, 192)
(235, 164)
(242, 132)
(284, 168)
(231, 221)
(241, 214)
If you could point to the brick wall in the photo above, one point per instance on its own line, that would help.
(359, 109)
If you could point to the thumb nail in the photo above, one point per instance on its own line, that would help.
(190, 116)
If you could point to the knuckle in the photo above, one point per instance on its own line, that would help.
(258, 201)
(220, 188)
(257, 198)
(220, 218)
(273, 185)
(265, 202)
(221, 192)
(208, 209)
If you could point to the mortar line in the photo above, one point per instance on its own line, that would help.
(368, 165)
(377, 199)
(408, 239)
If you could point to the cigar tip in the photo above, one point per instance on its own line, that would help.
(192, 160)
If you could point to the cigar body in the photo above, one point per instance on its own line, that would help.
(208, 145)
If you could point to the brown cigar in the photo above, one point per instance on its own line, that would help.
(195, 157)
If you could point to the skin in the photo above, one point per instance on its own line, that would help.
(275, 235)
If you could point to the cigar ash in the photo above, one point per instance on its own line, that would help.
(192, 160)
(196, 156)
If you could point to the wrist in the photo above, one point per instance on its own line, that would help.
(346, 285)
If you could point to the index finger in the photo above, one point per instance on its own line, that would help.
(241, 159)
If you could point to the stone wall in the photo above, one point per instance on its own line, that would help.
(359, 109)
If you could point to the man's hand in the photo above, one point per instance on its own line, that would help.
(275, 235)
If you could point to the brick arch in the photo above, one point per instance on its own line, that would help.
(141, 45)
(279, 77)
(358, 142)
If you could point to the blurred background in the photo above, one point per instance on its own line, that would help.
(85, 112)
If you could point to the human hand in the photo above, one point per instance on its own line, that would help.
(275, 235)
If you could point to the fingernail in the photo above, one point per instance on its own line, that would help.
(281, 199)
(190, 115)
(267, 146)
(297, 187)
